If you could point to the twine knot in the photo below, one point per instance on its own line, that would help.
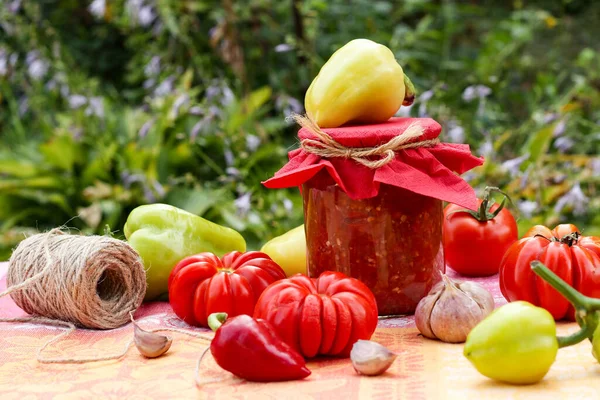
(327, 147)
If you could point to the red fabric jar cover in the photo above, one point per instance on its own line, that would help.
(429, 171)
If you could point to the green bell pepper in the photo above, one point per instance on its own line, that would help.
(516, 343)
(163, 235)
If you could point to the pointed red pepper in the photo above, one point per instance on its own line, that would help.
(250, 349)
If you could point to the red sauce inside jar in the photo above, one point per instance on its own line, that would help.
(392, 242)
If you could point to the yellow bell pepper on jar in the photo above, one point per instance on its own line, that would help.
(361, 83)
(289, 251)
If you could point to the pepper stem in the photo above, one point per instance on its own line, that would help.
(585, 332)
(586, 307)
(410, 92)
(573, 296)
(215, 320)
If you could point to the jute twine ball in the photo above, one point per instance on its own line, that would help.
(91, 281)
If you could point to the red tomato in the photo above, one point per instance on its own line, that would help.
(474, 243)
(574, 258)
(204, 284)
(319, 316)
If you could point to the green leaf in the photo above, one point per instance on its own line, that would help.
(197, 201)
(539, 144)
(60, 152)
(18, 168)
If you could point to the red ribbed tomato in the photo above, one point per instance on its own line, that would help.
(574, 258)
(204, 284)
(319, 316)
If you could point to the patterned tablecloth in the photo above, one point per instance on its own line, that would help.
(425, 369)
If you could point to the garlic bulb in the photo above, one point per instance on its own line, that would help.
(452, 309)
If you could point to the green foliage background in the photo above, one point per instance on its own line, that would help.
(107, 105)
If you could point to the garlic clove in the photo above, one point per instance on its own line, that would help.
(423, 312)
(370, 358)
(479, 294)
(150, 344)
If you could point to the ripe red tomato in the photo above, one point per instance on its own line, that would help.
(475, 241)
(324, 315)
(574, 258)
(204, 284)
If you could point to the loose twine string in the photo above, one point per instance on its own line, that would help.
(72, 281)
(328, 147)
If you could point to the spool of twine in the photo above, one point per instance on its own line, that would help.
(90, 281)
(371, 157)
(87, 281)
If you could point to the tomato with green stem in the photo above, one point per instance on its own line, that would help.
(475, 241)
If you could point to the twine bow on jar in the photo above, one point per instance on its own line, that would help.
(328, 147)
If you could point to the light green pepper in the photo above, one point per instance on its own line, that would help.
(516, 343)
(163, 235)
(596, 344)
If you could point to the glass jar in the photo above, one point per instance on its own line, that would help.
(392, 242)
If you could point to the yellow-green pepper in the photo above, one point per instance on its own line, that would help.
(163, 235)
(596, 344)
(361, 83)
(516, 343)
(289, 251)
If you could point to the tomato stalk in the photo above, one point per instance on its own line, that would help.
(484, 213)
(587, 309)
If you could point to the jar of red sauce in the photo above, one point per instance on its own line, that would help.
(392, 242)
(381, 225)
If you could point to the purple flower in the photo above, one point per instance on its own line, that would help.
(36, 67)
(422, 99)
(456, 133)
(288, 205)
(559, 129)
(486, 149)
(142, 13)
(243, 203)
(527, 207)
(595, 164)
(476, 92)
(128, 179)
(23, 105)
(231, 171)
(95, 107)
(97, 8)
(196, 110)
(178, 103)
(513, 166)
(146, 15)
(549, 117)
(282, 48)
(145, 128)
(563, 144)
(229, 159)
(165, 87)
(252, 143)
(14, 6)
(575, 199)
(3, 62)
(77, 101)
(196, 129)
(153, 67)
